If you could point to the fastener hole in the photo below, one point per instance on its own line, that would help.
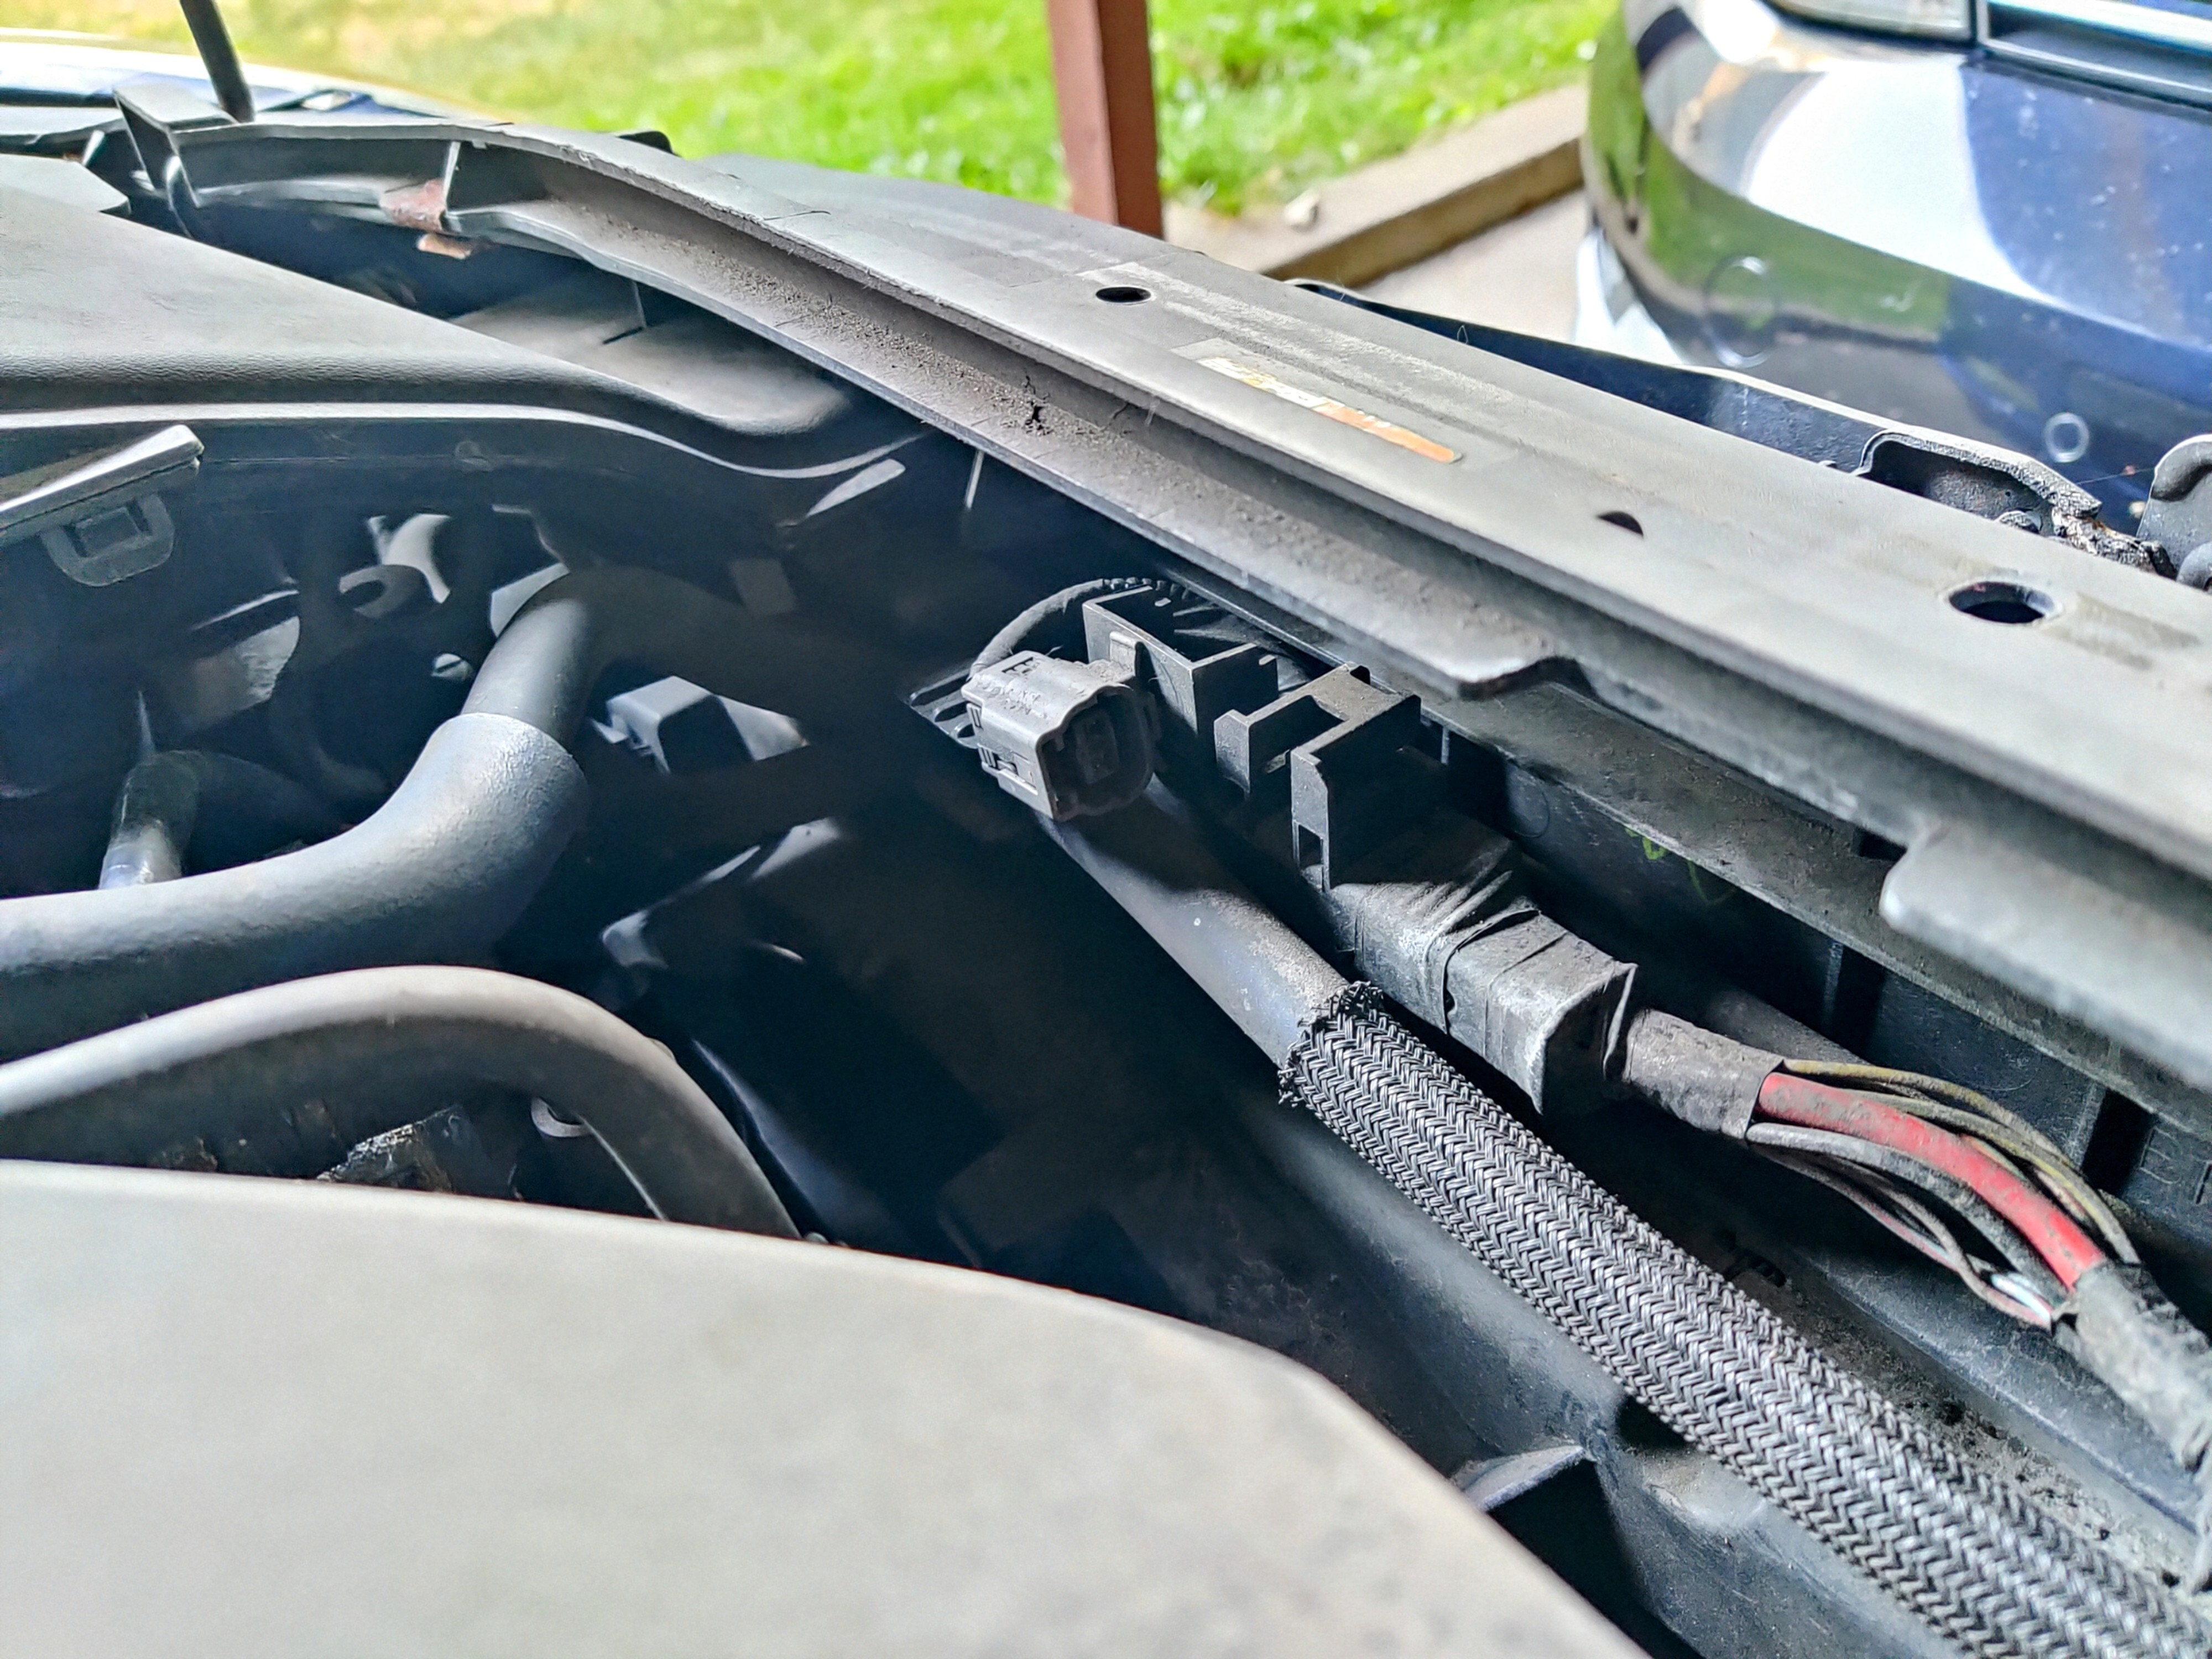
(1123, 294)
(2010, 603)
(1625, 520)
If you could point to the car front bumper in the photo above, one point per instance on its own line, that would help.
(1926, 233)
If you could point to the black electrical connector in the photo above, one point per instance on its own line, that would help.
(1067, 739)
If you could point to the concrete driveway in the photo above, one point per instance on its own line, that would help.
(1520, 275)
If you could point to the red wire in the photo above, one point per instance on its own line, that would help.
(2048, 1229)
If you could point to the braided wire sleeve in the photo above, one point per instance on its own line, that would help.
(1981, 1564)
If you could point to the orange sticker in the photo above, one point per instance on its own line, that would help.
(1390, 431)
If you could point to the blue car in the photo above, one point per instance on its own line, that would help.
(1993, 217)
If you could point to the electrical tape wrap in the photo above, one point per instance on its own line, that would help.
(1978, 1562)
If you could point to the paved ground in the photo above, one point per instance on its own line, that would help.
(1520, 275)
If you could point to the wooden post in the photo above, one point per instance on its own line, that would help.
(1102, 65)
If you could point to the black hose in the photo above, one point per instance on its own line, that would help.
(336, 619)
(289, 719)
(546, 662)
(442, 869)
(366, 1046)
(181, 799)
(437, 873)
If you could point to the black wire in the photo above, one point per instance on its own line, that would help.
(1918, 1227)
(1055, 622)
(1954, 1106)
(1909, 1172)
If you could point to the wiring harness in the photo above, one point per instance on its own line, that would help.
(1444, 924)
(2025, 1232)
(1978, 1561)
(1894, 1141)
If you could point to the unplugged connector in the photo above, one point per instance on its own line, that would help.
(1068, 739)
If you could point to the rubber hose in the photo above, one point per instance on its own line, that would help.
(443, 867)
(1263, 975)
(230, 1071)
(436, 873)
(170, 799)
(571, 631)
(1980, 1564)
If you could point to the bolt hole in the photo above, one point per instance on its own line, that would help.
(2010, 603)
(1625, 520)
(1123, 294)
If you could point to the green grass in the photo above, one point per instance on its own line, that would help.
(1256, 102)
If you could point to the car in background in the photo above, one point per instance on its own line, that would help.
(1986, 216)
(44, 72)
(737, 898)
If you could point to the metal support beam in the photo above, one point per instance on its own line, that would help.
(204, 19)
(1102, 66)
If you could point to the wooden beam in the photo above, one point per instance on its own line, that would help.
(1394, 213)
(1102, 65)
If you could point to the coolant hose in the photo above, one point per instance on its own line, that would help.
(444, 867)
(169, 797)
(436, 873)
(542, 670)
(363, 1045)
(1979, 1563)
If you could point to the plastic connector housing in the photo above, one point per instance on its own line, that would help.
(1067, 739)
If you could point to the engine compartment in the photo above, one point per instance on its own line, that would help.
(363, 606)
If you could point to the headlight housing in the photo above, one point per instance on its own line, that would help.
(1930, 20)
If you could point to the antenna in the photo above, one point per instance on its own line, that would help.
(219, 58)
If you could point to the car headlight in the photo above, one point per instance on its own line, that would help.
(1936, 20)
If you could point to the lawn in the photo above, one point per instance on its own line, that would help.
(1257, 99)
